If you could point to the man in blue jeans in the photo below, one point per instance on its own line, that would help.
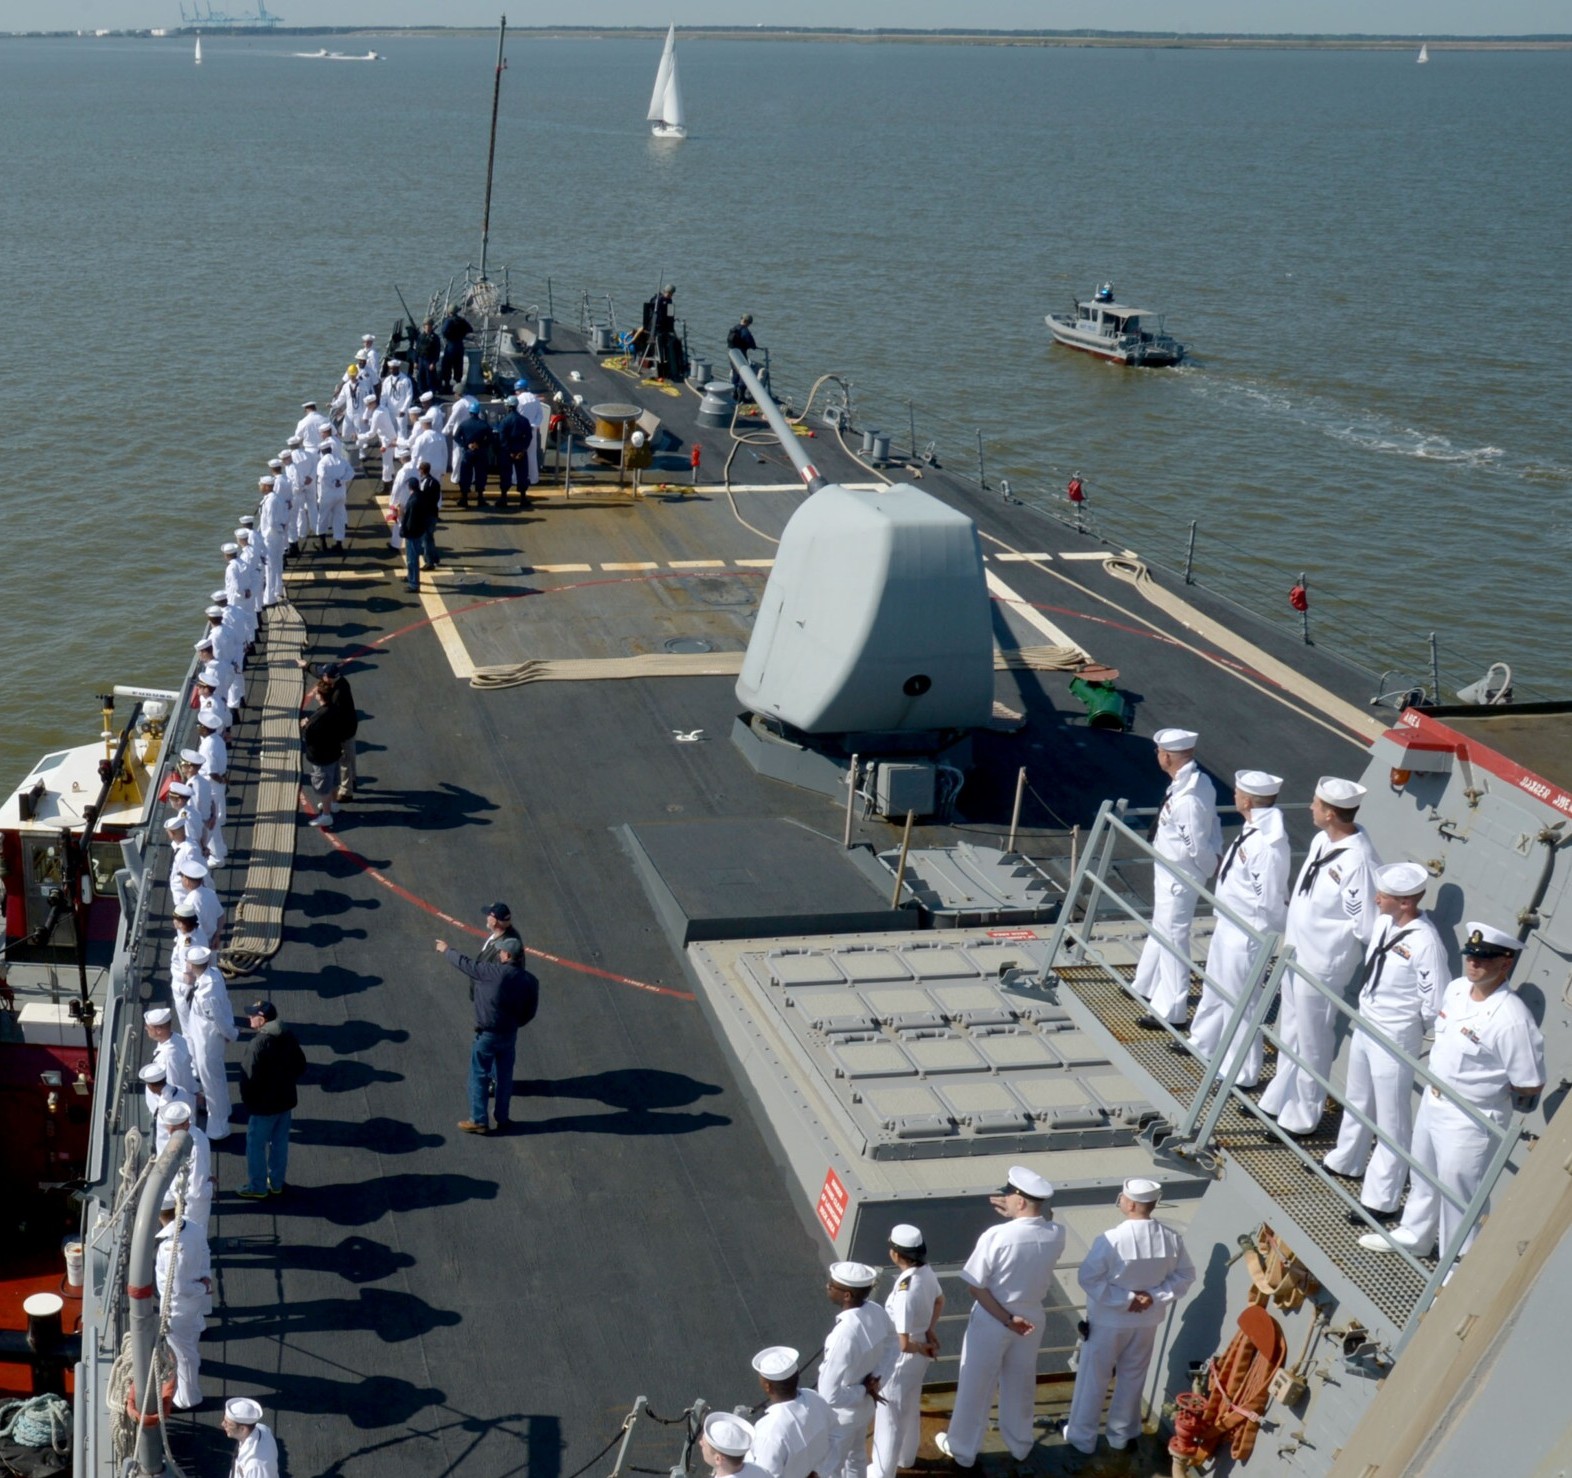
(505, 997)
(269, 1069)
(418, 525)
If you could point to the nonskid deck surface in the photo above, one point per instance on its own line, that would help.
(422, 1300)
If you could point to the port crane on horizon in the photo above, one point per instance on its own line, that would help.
(205, 15)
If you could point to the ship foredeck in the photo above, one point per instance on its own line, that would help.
(422, 1300)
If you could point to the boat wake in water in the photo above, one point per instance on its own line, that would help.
(1375, 433)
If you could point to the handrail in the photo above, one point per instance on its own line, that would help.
(1075, 940)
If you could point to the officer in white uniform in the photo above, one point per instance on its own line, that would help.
(1331, 916)
(158, 1093)
(1488, 1051)
(859, 1354)
(1132, 1275)
(334, 475)
(195, 1179)
(212, 1029)
(1188, 835)
(724, 1443)
(1253, 881)
(915, 1305)
(538, 414)
(170, 1048)
(792, 1438)
(185, 1266)
(1404, 973)
(1009, 1273)
(257, 1454)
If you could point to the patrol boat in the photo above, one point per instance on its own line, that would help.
(1116, 331)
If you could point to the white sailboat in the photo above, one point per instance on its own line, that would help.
(665, 115)
(1424, 53)
(199, 51)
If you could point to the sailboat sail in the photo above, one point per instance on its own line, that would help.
(199, 51)
(663, 77)
(671, 110)
(1424, 52)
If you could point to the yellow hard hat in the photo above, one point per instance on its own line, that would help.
(353, 370)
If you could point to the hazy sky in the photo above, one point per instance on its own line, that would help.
(1401, 17)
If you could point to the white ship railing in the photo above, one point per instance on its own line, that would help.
(1075, 939)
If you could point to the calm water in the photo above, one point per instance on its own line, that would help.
(1367, 257)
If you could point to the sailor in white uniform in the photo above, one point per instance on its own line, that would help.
(334, 475)
(792, 1437)
(309, 427)
(1405, 971)
(170, 1048)
(1188, 835)
(202, 804)
(724, 1444)
(428, 444)
(214, 750)
(1009, 1273)
(1331, 916)
(185, 850)
(185, 1266)
(304, 468)
(381, 431)
(373, 361)
(195, 1179)
(1131, 1276)
(273, 515)
(251, 558)
(404, 479)
(859, 1354)
(257, 1454)
(915, 1306)
(212, 1029)
(399, 390)
(1489, 1051)
(158, 1093)
(192, 883)
(1253, 881)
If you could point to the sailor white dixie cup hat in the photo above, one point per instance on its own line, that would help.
(1176, 739)
(728, 1434)
(244, 1410)
(776, 1362)
(905, 1236)
(1336, 792)
(1145, 1192)
(853, 1274)
(1401, 879)
(1257, 782)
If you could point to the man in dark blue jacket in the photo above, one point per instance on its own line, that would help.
(514, 434)
(506, 996)
(473, 437)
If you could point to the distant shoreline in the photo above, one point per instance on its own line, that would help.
(1101, 40)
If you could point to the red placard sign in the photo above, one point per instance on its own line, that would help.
(832, 1204)
(1012, 934)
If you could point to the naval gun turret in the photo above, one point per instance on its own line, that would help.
(873, 640)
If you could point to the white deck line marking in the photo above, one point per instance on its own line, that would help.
(754, 564)
(698, 564)
(1006, 559)
(560, 569)
(1028, 613)
(1082, 554)
(334, 575)
(445, 628)
(637, 564)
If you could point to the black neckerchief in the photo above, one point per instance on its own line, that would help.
(1233, 851)
(1313, 869)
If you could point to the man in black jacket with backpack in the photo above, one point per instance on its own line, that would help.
(506, 996)
(269, 1069)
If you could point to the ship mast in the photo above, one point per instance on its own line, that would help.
(491, 152)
